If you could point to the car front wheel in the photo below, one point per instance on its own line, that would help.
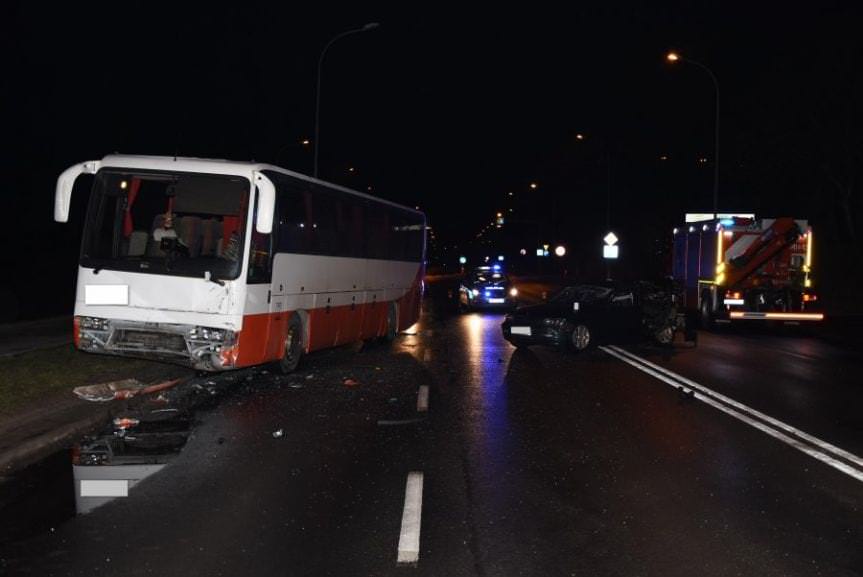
(580, 337)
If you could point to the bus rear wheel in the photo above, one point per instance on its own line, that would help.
(293, 352)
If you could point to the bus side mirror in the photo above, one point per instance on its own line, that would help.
(266, 203)
(65, 182)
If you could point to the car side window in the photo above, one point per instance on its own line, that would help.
(623, 299)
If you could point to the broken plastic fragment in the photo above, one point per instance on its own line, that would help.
(109, 391)
(126, 423)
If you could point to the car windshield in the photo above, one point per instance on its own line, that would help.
(166, 223)
(583, 294)
(489, 276)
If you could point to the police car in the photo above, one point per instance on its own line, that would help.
(487, 287)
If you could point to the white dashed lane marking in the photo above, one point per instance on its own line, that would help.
(409, 540)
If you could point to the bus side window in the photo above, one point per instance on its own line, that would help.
(294, 228)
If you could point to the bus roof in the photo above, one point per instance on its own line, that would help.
(221, 166)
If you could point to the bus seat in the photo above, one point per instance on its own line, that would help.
(189, 232)
(153, 248)
(211, 236)
(138, 243)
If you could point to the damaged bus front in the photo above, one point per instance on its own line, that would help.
(164, 254)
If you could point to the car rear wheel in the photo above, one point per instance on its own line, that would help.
(664, 336)
(293, 346)
(580, 337)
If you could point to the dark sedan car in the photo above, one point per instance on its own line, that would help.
(583, 315)
(487, 288)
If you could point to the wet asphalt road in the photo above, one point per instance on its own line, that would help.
(535, 463)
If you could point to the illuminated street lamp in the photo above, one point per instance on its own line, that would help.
(533, 185)
(366, 28)
(560, 250)
(674, 57)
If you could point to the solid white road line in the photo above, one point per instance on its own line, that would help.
(409, 540)
(705, 395)
(423, 399)
(824, 445)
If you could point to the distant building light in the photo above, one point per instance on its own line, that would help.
(462, 260)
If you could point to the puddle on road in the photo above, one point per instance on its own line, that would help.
(144, 437)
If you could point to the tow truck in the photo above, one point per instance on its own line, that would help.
(735, 267)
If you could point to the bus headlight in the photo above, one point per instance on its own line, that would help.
(513, 292)
(209, 334)
(93, 323)
(475, 293)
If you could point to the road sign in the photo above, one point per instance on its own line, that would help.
(610, 239)
(610, 251)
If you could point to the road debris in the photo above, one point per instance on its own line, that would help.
(395, 422)
(348, 382)
(278, 433)
(109, 391)
(310, 376)
(123, 389)
(126, 422)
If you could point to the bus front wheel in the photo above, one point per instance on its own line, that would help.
(293, 345)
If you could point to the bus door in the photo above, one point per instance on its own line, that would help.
(272, 330)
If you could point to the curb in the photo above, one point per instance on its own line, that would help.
(34, 449)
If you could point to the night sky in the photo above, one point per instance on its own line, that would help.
(449, 110)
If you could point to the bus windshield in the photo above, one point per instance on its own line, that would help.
(166, 223)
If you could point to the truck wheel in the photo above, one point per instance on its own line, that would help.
(293, 345)
(706, 314)
(580, 338)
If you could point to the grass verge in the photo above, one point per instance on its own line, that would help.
(37, 375)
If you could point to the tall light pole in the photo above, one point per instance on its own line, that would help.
(366, 28)
(675, 57)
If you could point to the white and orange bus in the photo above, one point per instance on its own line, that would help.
(221, 264)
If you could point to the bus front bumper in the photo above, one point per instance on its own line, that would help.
(203, 348)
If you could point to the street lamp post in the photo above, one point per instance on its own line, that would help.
(675, 57)
(366, 28)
